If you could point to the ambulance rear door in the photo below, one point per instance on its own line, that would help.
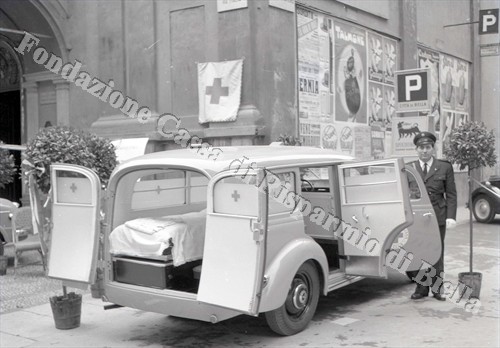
(75, 224)
(235, 241)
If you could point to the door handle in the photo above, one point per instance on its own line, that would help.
(355, 218)
(427, 214)
(364, 214)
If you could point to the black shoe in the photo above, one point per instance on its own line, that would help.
(417, 296)
(439, 297)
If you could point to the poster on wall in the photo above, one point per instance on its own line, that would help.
(308, 65)
(463, 94)
(375, 58)
(390, 60)
(329, 137)
(389, 109)
(362, 142)
(375, 104)
(325, 69)
(378, 142)
(309, 133)
(346, 135)
(429, 59)
(455, 82)
(447, 81)
(404, 130)
(350, 65)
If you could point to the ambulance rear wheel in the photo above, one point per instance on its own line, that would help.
(300, 304)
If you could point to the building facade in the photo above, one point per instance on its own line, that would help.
(320, 70)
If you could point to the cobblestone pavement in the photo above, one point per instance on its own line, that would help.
(28, 286)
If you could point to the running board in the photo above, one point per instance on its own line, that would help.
(338, 280)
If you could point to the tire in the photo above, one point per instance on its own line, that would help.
(300, 304)
(483, 208)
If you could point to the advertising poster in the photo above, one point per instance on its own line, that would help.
(462, 94)
(375, 104)
(308, 65)
(325, 69)
(375, 58)
(310, 133)
(309, 97)
(363, 143)
(390, 60)
(350, 66)
(448, 81)
(429, 59)
(378, 141)
(404, 130)
(346, 136)
(330, 137)
(389, 109)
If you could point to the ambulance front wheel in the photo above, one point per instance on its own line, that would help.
(300, 304)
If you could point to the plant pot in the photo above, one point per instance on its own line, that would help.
(473, 281)
(67, 310)
(4, 261)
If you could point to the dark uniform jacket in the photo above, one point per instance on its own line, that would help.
(440, 184)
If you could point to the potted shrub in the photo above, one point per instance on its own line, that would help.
(7, 167)
(471, 146)
(65, 145)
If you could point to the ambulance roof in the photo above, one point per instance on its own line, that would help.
(262, 156)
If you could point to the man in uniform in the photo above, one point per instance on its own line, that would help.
(440, 184)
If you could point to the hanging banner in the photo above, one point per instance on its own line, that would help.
(350, 67)
(219, 90)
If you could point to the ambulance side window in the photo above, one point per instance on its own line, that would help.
(280, 185)
(414, 190)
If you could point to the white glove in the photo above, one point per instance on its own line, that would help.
(450, 223)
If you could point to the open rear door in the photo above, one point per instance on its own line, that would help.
(75, 224)
(235, 239)
(375, 208)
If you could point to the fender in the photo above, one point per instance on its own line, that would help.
(282, 269)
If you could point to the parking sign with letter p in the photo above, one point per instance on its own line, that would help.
(488, 21)
(412, 90)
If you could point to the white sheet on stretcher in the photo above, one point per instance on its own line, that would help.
(149, 237)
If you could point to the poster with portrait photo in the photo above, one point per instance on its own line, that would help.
(390, 60)
(375, 58)
(389, 108)
(350, 73)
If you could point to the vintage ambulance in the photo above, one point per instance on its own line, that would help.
(258, 229)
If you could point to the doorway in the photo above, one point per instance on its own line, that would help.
(10, 133)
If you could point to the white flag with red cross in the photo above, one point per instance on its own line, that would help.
(219, 90)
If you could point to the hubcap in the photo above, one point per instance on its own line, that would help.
(300, 296)
(482, 208)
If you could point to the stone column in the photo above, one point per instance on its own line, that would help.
(31, 112)
(62, 102)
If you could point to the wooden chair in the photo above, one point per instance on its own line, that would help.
(22, 220)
